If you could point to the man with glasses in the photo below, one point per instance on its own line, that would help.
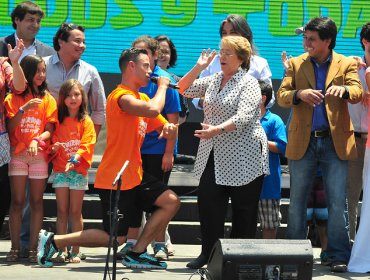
(69, 43)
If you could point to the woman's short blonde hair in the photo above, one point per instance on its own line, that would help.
(241, 46)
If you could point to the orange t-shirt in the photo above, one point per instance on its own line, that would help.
(125, 135)
(33, 120)
(79, 137)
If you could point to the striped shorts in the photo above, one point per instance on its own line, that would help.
(269, 213)
(23, 164)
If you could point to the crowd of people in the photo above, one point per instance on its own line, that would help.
(53, 106)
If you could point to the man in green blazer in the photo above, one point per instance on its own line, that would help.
(318, 86)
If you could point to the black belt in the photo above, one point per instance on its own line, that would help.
(320, 133)
(360, 134)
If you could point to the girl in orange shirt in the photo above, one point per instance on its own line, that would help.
(31, 117)
(72, 151)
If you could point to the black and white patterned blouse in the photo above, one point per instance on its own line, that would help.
(241, 155)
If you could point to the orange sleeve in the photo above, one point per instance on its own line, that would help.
(88, 140)
(155, 123)
(10, 106)
(51, 110)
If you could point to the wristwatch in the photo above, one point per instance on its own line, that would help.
(21, 110)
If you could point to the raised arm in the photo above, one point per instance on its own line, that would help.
(151, 108)
(19, 80)
(204, 60)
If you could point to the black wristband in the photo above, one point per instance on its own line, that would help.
(296, 101)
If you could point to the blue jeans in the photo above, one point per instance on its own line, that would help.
(334, 171)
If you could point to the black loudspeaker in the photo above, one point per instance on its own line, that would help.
(241, 259)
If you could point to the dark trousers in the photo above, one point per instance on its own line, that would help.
(152, 164)
(212, 205)
(5, 195)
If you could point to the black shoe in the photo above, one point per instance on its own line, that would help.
(338, 266)
(198, 262)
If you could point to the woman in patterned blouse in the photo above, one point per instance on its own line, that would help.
(232, 156)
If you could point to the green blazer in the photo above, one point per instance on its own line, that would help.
(300, 75)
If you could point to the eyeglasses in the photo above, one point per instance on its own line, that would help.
(71, 26)
(164, 52)
(221, 53)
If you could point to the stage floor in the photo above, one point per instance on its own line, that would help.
(93, 267)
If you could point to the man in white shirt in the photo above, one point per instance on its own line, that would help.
(69, 43)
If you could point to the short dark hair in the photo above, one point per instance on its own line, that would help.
(266, 90)
(24, 8)
(29, 66)
(241, 27)
(173, 50)
(128, 55)
(64, 32)
(365, 34)
(326, 28)
(151, 42)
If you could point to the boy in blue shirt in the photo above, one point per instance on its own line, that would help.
(269, 204)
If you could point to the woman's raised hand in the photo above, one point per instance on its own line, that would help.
(205, 58)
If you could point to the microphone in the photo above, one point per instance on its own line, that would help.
(120, 173)
(154, 80)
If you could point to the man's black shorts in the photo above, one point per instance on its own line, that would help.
(132, 203)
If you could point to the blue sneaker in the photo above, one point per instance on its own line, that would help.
(142, 261)
(122, 253)
(160, 251)
(45, 249)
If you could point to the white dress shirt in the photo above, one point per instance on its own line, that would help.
(87, 75)
(31, 49)
(358, 112)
